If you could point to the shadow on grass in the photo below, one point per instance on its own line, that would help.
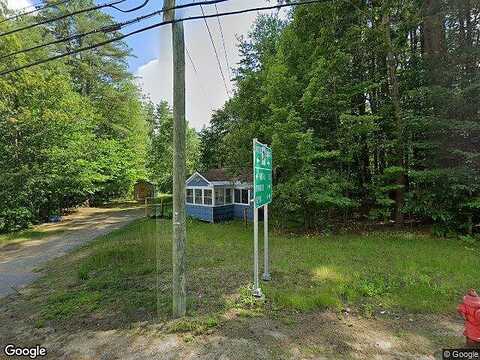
(26, 235)
(125, 278)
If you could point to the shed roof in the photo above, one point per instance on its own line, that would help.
(144, 181)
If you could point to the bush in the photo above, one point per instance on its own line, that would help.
(15, 219)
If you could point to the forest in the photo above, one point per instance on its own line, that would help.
(74, 131)
(371, 107)
(372, 111)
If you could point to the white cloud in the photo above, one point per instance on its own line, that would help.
(18, 4)
(205, 89)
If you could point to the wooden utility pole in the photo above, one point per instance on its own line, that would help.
(179, 138)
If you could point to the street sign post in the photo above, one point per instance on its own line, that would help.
(262, 190)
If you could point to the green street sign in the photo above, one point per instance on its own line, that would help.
(262, 174)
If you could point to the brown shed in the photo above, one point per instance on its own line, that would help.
(144, 189)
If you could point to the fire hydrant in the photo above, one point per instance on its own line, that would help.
(470, 310)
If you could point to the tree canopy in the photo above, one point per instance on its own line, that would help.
(70, 130)
(372, 109)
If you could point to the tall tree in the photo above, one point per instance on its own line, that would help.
(160, 152)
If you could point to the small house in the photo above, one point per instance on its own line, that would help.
(214, 196)
(144, 189)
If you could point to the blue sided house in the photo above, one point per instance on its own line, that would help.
(214, 196)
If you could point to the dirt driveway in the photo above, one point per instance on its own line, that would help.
(18, 261)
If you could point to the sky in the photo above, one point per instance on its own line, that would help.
(205, 89)
(152, 64)
(18, 4)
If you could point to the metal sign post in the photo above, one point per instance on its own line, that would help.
(266, 271)
(262, 189)
(257, 292)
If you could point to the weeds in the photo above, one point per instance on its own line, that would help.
(407, 272)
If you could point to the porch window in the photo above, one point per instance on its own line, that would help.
(207, 197)
(241, 196)
(198, 196)
(245, 199)
(219, 196)
(238, 196)
(189, 196)
(228, 196)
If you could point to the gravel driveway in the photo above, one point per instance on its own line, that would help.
(18, 260)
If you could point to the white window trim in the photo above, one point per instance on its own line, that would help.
(242, 188)
(193, 196)
(203, 188)
(219, 188)
(232, 195)
(232, 198)
(203, 197)
(212, 189)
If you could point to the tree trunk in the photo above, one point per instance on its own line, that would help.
(433, 28)
(395, 95)
(434, 41)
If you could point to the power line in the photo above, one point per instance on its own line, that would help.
(198, 76)
(154, 26)
(105, 29)
(223, 40)
(132, 9)
(215, 50)
(47, 21)
(191, 61)
(37, 7)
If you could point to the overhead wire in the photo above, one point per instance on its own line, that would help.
(132, 9)
(64, 16)
(215, 51)
(154, 26)
(106, 29)
(223, 42)
(191, 61)
(195, 70)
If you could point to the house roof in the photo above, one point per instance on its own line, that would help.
(216, 175)
(220, 174)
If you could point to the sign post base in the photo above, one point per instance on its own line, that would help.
(257, 293)
(266, 277)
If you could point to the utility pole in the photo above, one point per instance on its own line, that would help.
(179, 138)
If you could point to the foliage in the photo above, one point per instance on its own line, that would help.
(160, 152)
(380, 271)
(70, 130)
(321, 89)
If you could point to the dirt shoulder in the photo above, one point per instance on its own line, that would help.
(315, 335)
(101, 302)
(20, 260)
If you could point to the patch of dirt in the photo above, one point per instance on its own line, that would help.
(18, 261)
(11, 247)
(317, 335)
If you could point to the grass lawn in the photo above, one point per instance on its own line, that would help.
(113, 280)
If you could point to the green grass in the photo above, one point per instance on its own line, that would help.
(115, 277)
